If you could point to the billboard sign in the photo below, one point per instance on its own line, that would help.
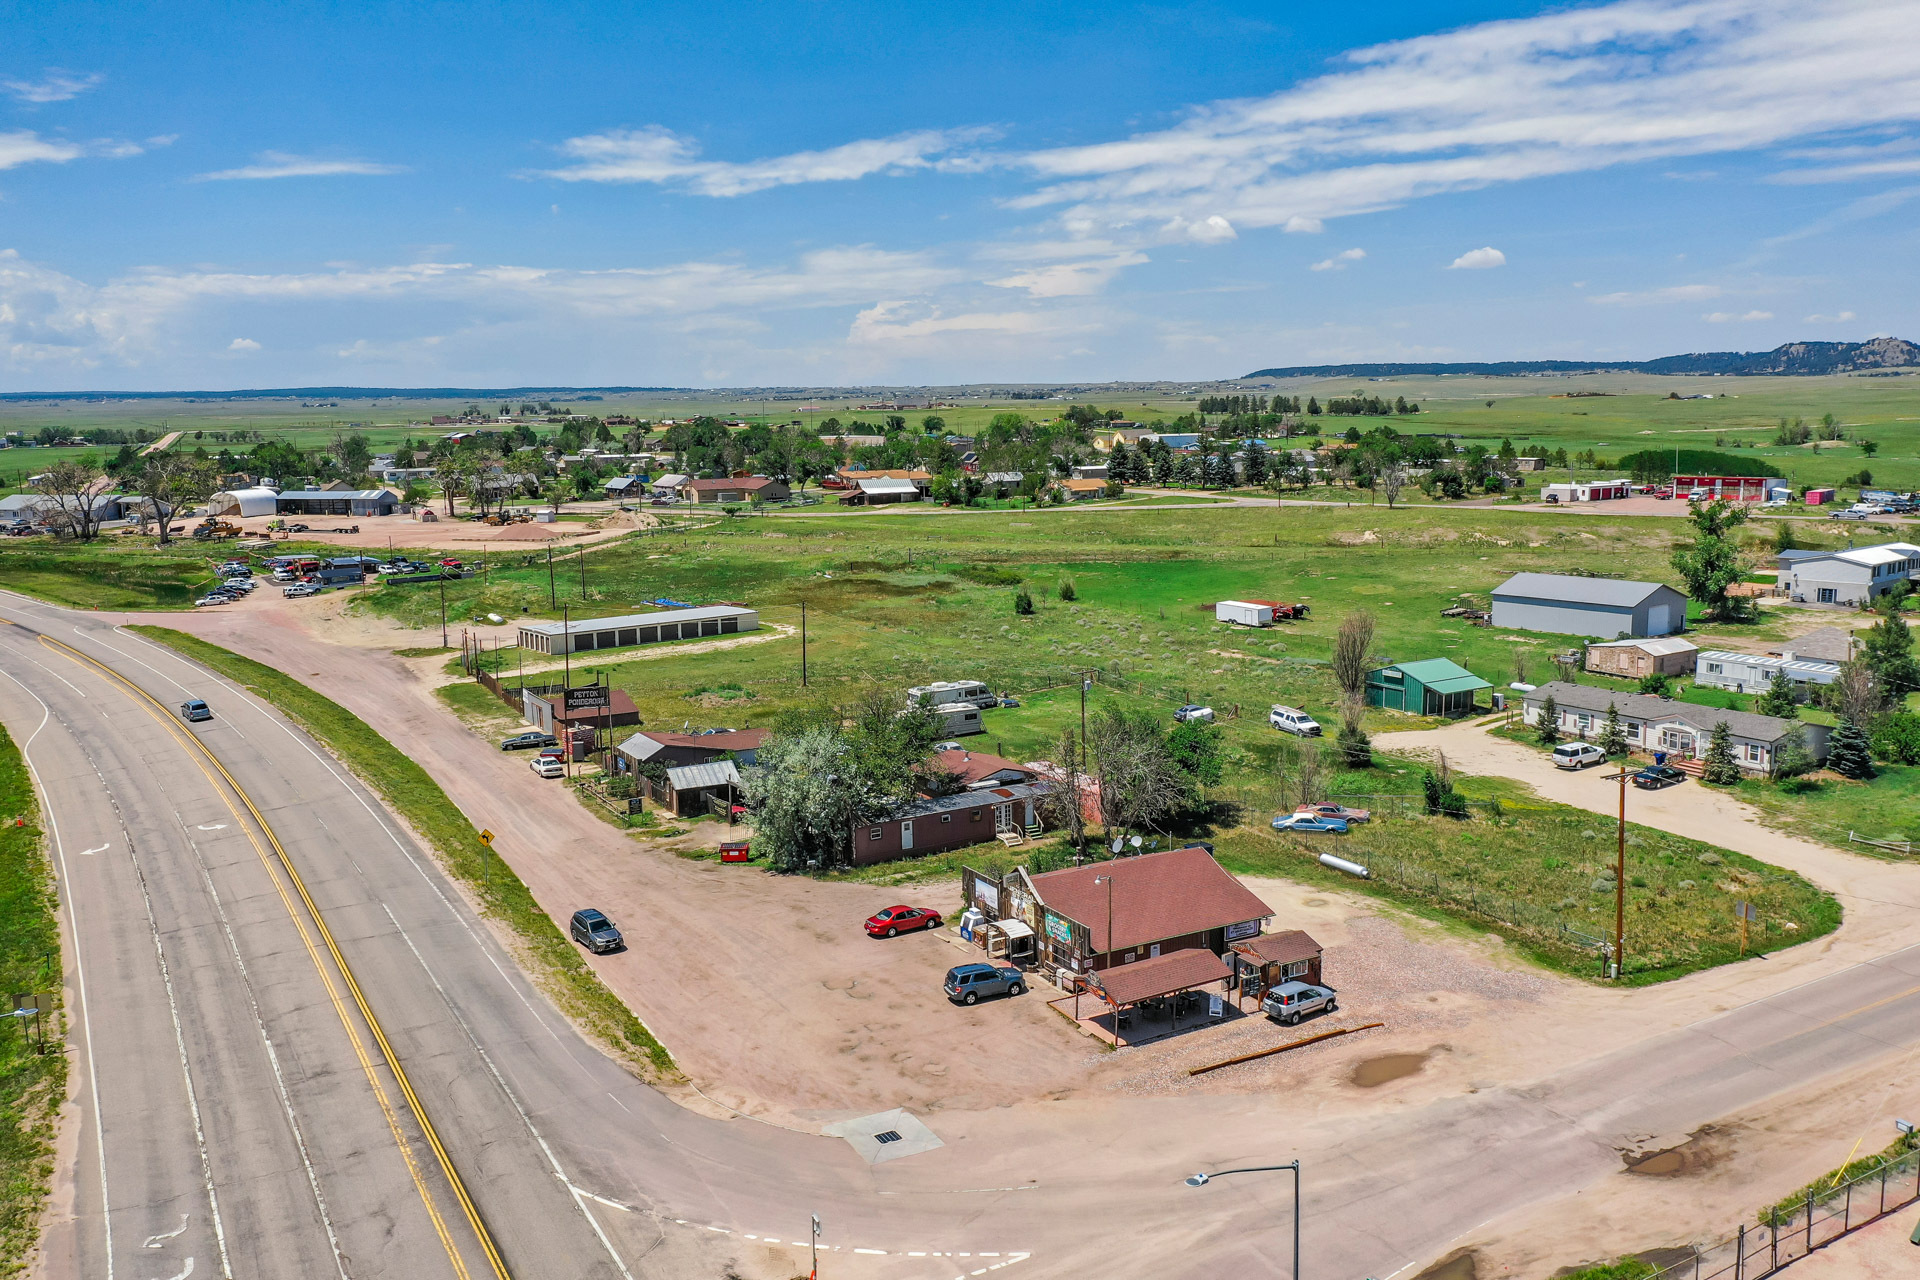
(593, 697)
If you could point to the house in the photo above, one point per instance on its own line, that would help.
(998, 484)
(1115, 433)
(1638, 659)
(1529, 464)
(404, 476)
(337, 502)
(1852, 577)
(738, 489)
(1752, 672)
(1090, 471)
(876, 491)
(549, 715)
(1108, 915)
(934, 823)
(1434, 687)
(1274, 958)
(636, 628)
(255, 501)
(668, 486)
(1587, 491)
(1822, 644)
(1608, 608)
(1175, 440)
(980, 770)
(1079, 490)
(672, 749)
(1680, 729)
(626, 487)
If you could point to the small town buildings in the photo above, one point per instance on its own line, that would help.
(1608, 608)
(1680, 729)
(1090, 471)
(549, 714)
(738, 489)
(1079, 490)
(999, 484)
(1638, 659)
(1435, 687)
(1587, 491)
(1855, 576)
(934, 823)
(674, 749)
(1752, 672)
(1733, 488)
(879, 490)
(1274, 958)
(626, 487)
(1524, 463)
(1822, 644)
(257, 500)
(668, 486)
(342, 502)
(689, 787)
(1107, 915)
(636, 628)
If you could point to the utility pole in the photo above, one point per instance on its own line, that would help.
(443, 609)
(552, 598)
(583, 573)
(803, 644)
(1620, 883)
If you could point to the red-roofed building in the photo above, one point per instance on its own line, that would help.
(974, 770)
(1109, 914)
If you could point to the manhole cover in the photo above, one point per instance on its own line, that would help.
(888, 1136)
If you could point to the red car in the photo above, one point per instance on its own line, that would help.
(897, 920)
(1335, 811)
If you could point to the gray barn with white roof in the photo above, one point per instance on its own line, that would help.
(636, 628)
(1606, 608)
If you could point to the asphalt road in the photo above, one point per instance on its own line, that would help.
(236, 1116)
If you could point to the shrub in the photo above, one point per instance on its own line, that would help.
(1896, 738)
(1067, 590)
(1023, 602)
(987, 575)
(1659, 684)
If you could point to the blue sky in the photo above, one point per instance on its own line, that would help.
(202, 195)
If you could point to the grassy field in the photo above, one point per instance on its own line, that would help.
(32, 1085)
(408, 789)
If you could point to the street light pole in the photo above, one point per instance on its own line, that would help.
(1202, 1179)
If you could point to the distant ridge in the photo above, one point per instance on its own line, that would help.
(1802, 359)
(337, 393)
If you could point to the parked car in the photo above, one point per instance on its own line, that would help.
(1293, 720)
(1856, 513)
(966, 983)
(195, 709)
(300, 590)
(1009, 702)
(1577, 755)
(592, 930)
(1655, 776)
(1291, 1001)
(206, 600)
(1340, 811)
(547, 767)
(897, 920)
(521, 741)
(1193, 711)
(1311, 824)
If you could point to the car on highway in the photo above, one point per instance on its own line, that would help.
(521, 741)
(1193, 712)
(898, 920)
(547, 767)
(968, 983)
(1293, 720)
(1291, 1001)
(1311, 824)
(592, 930)
(1655, 776)
(1340, 811)
(300, 590)
(195, 709)
(1577, 755)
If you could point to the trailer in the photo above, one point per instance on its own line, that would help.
(1244, 613)
(944, 692)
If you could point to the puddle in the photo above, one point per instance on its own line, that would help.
(1695, 1154)
(1455, 1266)
(1385, 1069)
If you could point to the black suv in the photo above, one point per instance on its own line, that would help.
(592, 930)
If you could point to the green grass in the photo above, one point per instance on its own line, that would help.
(112, 573)
(32, 1086)
(1828, 808)
(416, 797)
(1899, 1152)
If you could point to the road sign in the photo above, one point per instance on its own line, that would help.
(592, 697)
(1747, 911)
(486, 838)
(33, 1004)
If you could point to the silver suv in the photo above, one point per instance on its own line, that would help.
(1291, 1001)
(966, 983)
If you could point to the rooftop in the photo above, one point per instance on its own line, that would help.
(1659, 647)
(1160, 976)
(1614, 592)
(1154, 897)
(715, 773)
(579, 625)
(1289, 947)
(1646, 707)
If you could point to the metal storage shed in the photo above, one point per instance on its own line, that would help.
(1435, 687)
(1605, 608)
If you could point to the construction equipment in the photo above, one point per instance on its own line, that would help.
(214, 527)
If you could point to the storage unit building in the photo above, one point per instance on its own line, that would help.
(636, 628)
(1733, 488)
(1606, 608)
(1435, 687)
(1638, 659)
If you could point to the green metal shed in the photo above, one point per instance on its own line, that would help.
(1435, 687)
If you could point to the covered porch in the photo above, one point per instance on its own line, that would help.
(1149, 1000)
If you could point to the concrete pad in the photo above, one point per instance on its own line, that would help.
(865, 1133)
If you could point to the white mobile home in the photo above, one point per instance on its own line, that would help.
(1752, 672)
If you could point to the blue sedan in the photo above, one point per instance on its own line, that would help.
(1311, 823)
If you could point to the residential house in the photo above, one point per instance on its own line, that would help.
(1852, 577)
(1434, 687)
(668, 486)
(1001, 484)
(1090, 471)
(1609, 608)
(673, 749)
(738, 489)
(1638, 659)
(1752, 672)
(1079, 490)
(1680, 729)
(636, 628)
(933, 823)
(626, 487)
(980, 770)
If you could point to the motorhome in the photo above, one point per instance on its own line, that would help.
(943, 692)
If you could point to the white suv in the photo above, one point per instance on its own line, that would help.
(1577, 755)
(1293, 720)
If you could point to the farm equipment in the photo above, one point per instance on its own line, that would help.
(214, 527)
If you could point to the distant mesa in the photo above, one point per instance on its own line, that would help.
(1799, 359)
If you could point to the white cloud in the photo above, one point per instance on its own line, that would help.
(1727, 317)
(1478, 260)
(243, 344)
(1672, 293)
(889, 322)
(657, 154)
(1298, 225)
(1070, 279)
(1339, 261)
(1834, 319)
(281, 164)
(54, 86)
(1568, 91)
(23, 146)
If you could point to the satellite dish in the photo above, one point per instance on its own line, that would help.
(1136, 842)
(1117, 842)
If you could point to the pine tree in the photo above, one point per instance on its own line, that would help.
(1721, 768)
(1548, 727)
(1791, 758)
(1256, 464)
(1163, 467)
(1888, 649)
(1848, 752)
(1778, 699)
(1613, 734)
(1120, 462)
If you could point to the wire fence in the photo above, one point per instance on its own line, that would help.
(1821, 1217)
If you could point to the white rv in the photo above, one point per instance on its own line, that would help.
(959, 719)
(945, 692)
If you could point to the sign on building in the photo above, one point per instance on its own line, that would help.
(593, 697)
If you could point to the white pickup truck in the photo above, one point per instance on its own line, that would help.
(1293, 720)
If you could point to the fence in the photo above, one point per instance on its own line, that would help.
(1823, 1217)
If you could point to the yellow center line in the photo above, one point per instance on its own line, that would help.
(153, 707)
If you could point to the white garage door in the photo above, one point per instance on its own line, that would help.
(1659, 619)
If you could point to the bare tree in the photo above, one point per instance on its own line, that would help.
(1302, 772)
(1519, 665)
(73, 491)
(1856, 693)
(1392, 480)
(169, 481)
(1063, 804)
(1352, 651)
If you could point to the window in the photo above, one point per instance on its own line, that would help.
(1755, 753)
(1296, 970)
(1584, 720)
(1714, 668)
(873, 833)
(974, 816)
(1633, 732)
(946, 817)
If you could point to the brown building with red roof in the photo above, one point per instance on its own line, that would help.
(1131, 910)
(675, 749)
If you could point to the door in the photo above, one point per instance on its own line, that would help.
(906, 834)
(1659, 619)
(1153, 951)
(1002, 818)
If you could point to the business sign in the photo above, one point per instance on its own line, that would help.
(1059, 930)
(593, 697)
(1245, 929)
